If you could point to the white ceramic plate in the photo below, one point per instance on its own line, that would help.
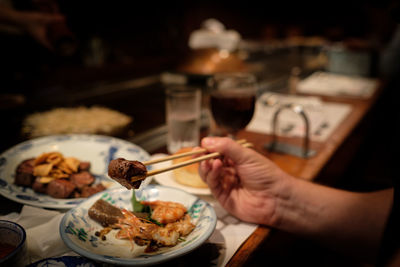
(97, 149)
(77, 229)
(165, 178)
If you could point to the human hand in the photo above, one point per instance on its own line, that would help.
(246, 183)
(36, 24)
(254, 189)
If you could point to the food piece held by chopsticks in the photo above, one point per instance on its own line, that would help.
(128, 173)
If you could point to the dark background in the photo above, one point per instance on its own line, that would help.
(123, 40)
(144, 38)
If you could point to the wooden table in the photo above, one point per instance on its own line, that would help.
(307, 169)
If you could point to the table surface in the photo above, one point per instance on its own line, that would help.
(307, 169)
(304, 168)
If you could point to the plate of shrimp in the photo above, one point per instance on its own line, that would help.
(178, 223)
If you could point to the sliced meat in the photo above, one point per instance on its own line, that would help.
(24, 173)
(76, 194)
(60, 188)
(104, 213)
(123, 171)
(82, 179)
(39, 187)
(84, 166)
(87, 191)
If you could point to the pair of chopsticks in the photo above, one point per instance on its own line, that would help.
(242, 142)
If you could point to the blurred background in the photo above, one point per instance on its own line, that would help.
(120, 54)
(115, 54)
(123, 40)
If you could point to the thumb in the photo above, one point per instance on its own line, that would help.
(226, 146)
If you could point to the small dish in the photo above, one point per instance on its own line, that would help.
(77, 229)
(13, 244)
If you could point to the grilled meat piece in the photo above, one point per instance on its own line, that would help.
(60, 188)
(87, 191)
(82, 179)
(84, 166)
(24, 173)
(123, 171)
(39, 187)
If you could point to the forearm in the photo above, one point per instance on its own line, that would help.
(352, 222)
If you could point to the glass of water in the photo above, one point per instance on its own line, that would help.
(183, 110)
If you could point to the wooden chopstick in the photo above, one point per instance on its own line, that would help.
(180, 155)
(188, 162)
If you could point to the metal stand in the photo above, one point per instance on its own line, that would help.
(276, 146)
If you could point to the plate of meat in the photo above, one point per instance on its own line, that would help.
(61, 171)
(107, 227)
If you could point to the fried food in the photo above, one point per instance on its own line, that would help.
(52, 165)
(58, 176)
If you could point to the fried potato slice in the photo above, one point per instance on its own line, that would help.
(63, 166)
(41, 159)
(57, 174)
(72, 163)
(42, 169)
(54, 158)
(53, 165)
(46, 179)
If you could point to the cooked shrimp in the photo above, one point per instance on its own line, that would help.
(166, 237)
(143, 232)
(184, 226)
(131, 227)
(165, 211)
(169, 235)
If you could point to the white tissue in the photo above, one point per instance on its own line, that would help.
(214, 35)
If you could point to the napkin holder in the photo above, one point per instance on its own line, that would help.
(279, 147)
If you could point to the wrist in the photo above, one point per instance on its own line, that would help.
(293, 210)
(282, 194)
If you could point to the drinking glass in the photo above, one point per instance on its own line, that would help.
(232, 100)
(183, 109)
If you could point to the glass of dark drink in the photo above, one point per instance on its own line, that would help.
(232, 101)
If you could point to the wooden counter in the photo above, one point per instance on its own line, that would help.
(307, 169)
